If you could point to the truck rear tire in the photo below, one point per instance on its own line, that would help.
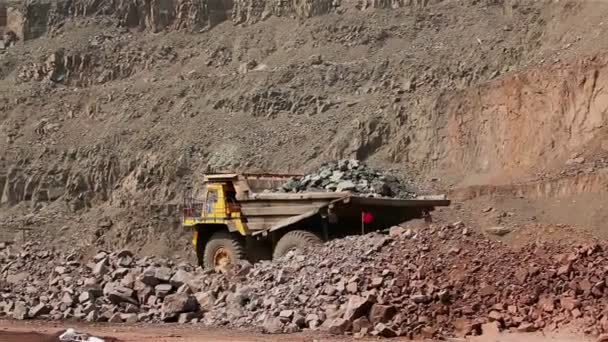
(294, 240)
(222, 250)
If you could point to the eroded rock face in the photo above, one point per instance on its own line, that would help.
(101, 63)
(269, 103)
(31, 20)
(154, 15)
(252, 11)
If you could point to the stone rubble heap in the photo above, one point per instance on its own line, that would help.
(116, 287)
(438, 282)
(349, 175)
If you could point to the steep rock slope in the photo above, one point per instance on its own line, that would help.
(101, 116)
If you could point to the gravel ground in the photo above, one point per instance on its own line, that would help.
(11, 331)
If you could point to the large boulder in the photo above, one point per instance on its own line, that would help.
(101, 267)
(205, 300)
(381, 313)
(117, 294)
(20, 311)
(180, 278)
(338, 326)
(357, 306)
(272, 325)
(148, 277)
(162, 290)
(163, 274)
(177, 303)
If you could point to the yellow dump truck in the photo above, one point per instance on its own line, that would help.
(238, 216)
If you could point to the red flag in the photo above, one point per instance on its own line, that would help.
(366, 217)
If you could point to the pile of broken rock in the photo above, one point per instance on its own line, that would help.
(436, 282)
(113, 287)
(349, 175)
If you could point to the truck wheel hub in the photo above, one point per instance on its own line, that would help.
(221, 257)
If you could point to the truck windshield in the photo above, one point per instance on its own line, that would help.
(212, 196)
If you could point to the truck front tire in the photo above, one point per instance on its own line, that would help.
(294, 240)
(223, 249)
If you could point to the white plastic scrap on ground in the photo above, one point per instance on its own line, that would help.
(71, 335)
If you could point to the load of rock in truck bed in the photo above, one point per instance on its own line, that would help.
(350, 175)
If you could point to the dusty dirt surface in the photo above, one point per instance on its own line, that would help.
(16, 332)
(168, 333)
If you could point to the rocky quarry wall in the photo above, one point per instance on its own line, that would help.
(115, 117)
(192, 15)
(31, 19)
(514, 125)
(2, 17)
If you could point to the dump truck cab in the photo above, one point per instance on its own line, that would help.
(214, 211)
(216, 205)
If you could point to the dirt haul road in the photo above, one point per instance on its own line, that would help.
(45, 331)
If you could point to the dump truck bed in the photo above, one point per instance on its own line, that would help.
(266, 212)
